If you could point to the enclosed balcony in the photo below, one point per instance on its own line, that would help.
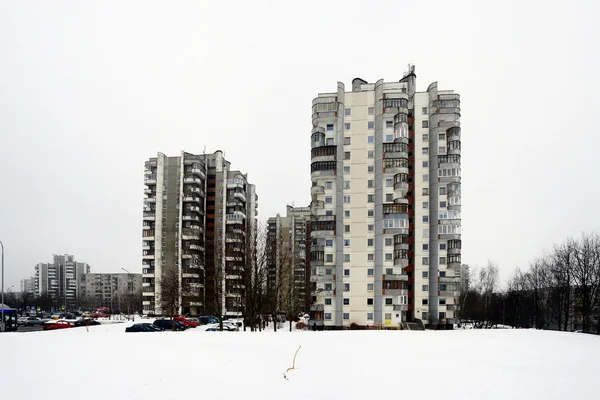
(394, 208)
(401, 258)
(234, 219)
(448, 175)
(324, 110)
(453, 147)
(449, 231)
(322, 168)
(400, 307)
(395, 150)
(400, 185)
(449, 161)
(150, 179)
(395, 165)
(317, 307)
(323, 153)
(453, 260)
(235, 183)
(317, 189)
(317, 256)
(401, 242)
(396, 105)
(454, 246)
(395, 277)
(318, 138)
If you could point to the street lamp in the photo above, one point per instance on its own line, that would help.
(2, 326)
(130, 275)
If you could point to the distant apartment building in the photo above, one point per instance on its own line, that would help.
(60, 280)
(197, 215)
(28, 285)
(386, 210)
(288, 268)
(111, 290)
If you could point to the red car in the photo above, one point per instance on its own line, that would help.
(185, 322)
(52, 325)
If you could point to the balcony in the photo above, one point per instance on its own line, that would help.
(149, 191)
(395, 277)
(192, 180)
(150, 179)
(323, 293)
(235, 183)
(396, 292)
(195, 247)
(196, 190)
(150, 200)
(199, 172)
(240, 196)
(454, 246)
(400, 307)
(234, 219)
(148, 271)
(317, 307)
(449, 161)
(195, 209)
(395, 150)
(395, 165)
(323, 153)
(149, 216)
(317, 189)
(192, 199)
(187, 217)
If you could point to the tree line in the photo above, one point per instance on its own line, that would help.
(559, 291)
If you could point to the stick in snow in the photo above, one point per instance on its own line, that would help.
(293, 364)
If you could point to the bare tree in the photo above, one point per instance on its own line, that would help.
(517, 286)
(488, 282)
(217, 278)
(169, 291)
(279, 280)
(586, 273)
(561, 264)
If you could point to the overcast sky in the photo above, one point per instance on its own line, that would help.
(88, 92)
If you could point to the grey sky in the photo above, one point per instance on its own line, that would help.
(88, 92)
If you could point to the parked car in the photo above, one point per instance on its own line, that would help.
(167, 325)
(144, 327)
(60, 324)
(208, 319)
(186, 322)
(85, 322)
(30, 321)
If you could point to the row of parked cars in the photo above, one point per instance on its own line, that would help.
(180, 323)
(61, 322)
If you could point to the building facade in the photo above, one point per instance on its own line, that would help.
(385, 171)
(60, 280)
(118, 291)
(28, 285)
(197, 212)
(288, 266)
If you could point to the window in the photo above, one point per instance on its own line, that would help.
(346, 287)
(442, 315)
(329, 185)
(347, 111)
(425, 316)
(369, 242)
(346, 184)
(425, 260)
(346, 199)
(388, 241)
(371, 227)
(425, 191)
(369, 302)
(371, 110)
(370, 213)
(424, 111)
(389, 256)
(425, 138)
(425, 274)
(389, 271)
(346, 301)
(347, 241)
(425, 204)
(346, 155)
(370, 272)
(370, 139)
(370, 257)
(347, 126)
(388, 301)
(425, 288)
(370, 286)
(370, 183)
(328, 273)
(442, 136)
(346, 272)
(347, 170)
(389, 138)
(425, 164)
(346, 228)
(389, 124)
(370, 198)
(425, 177)
(425, 218)
(346, 315)
(425, 150)
(442, 190)
(442, 150)
(424, 124)
(346, 141)
(327, 302)
(442, 274)
(329, 242)
(442, 204)
(370, 316)
(370, 154)
(371, 125)
(346, 257)
(329, 213)
(389, 182)
(329, 258)
(327, 316)
(370, 169)
(329, 142)
(442, 246)
(329, 127)
(346, 213)
(425, 246)
(389, 197)
(388, 316)
(328, 286)
(328, 200)
(442, 260)
(424, 302)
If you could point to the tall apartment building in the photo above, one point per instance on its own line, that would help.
(196, 214)
(385, 169)
(288, 265)
(28, 285)
(60, 280)
(111, 290)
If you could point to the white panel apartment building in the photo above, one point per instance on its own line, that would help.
(60, 280)
(385, 207)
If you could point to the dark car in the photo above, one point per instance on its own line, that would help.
(144, 327)
(208, 319)
(168, 325)
(86, 322)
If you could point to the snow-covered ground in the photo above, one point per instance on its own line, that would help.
(107, 363)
